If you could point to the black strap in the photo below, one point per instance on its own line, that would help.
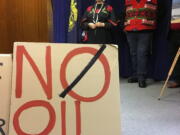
(84, 71)
(2, 123)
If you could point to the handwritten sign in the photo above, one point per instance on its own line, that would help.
(44, 71)
(5, 91)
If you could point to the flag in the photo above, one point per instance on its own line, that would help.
(73, 34)
(60, 20)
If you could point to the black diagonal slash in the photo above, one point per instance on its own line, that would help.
(2, 123)
(84, 71)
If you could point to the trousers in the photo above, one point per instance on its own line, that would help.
(139, 44)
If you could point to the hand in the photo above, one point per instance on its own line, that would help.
(100, 24)
(92, 25)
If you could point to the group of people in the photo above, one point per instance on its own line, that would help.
(140, 22)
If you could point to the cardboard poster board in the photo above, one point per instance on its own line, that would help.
(43, 71)
(5, 91)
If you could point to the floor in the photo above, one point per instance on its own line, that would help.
(143, 114)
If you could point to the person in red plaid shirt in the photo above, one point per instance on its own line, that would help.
(140, 23)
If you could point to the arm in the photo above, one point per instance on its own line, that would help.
(111, 20)
(85, 23)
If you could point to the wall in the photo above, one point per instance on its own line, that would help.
(24, 20)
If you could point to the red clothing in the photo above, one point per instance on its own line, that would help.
(175, 26)
(140, 15)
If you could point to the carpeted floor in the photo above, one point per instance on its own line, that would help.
(143, 114)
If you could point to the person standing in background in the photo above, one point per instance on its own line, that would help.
(174, 36)
(140, 23)
(97, 22)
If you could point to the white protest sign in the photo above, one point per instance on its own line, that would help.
(5, 91)
(43, 73)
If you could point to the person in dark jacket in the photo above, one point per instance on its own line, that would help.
(174, 36)
(97, 23)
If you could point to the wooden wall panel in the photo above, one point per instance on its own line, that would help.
(3, 26)
(24, 20)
